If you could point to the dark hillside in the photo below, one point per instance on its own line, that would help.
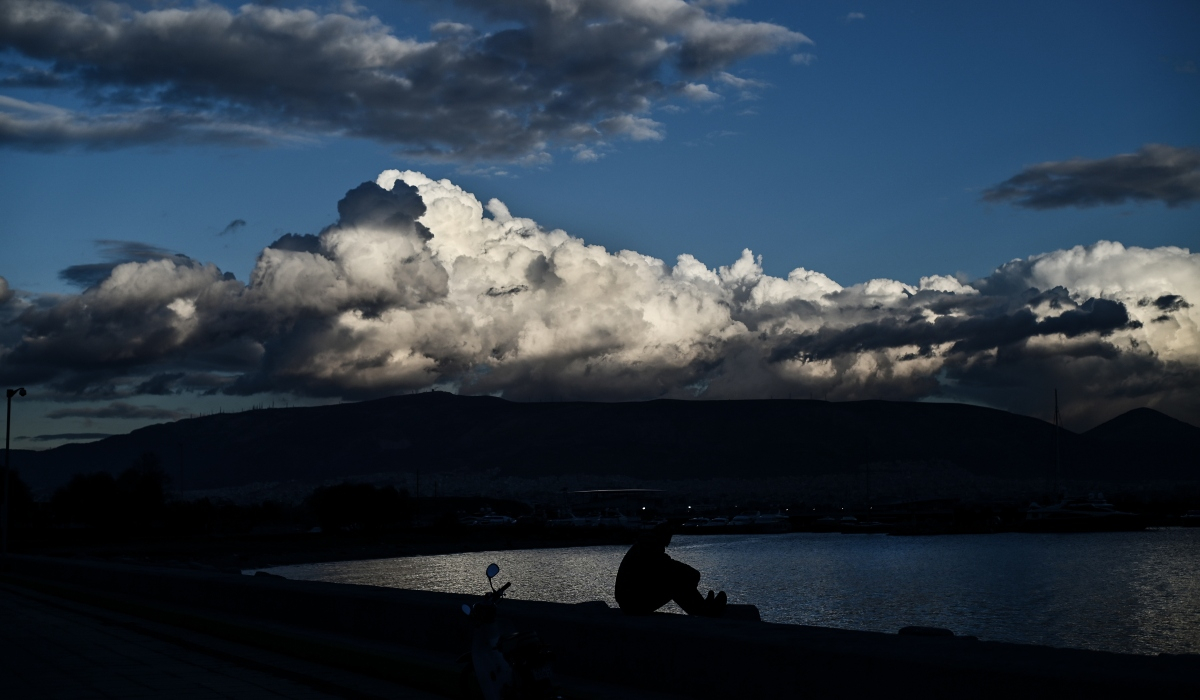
(1145, 425)
(1146, 438)
(436, 432)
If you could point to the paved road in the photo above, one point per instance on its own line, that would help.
(57, 649)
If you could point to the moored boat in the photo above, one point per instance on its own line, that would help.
(1091, 513)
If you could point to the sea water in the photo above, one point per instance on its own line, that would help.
(1136, 592)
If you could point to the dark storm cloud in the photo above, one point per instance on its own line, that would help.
(964, 334)
(87, 274)
(557, 74)
(42, 127)
(117, 409)
(132, 250)
(474, 299)
(298, 242)
(1168, 302)
(160, 384)
(1155, 173)
(207, 383)
(371, 205)
(133, 318)
(232, 227)
(118, 253)
(1093, 386)
(66, 436)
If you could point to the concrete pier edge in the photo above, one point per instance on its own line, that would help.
(191, 661)
(415, 637)
(422, 671)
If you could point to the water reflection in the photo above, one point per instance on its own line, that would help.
(1131, 592)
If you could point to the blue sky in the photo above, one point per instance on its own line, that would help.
(862, 153)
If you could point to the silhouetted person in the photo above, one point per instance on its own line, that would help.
(648, 578)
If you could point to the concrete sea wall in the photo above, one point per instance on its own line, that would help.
(417, 635)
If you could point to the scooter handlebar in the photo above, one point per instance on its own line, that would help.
(502, 589)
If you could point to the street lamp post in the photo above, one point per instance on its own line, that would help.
(7, 469)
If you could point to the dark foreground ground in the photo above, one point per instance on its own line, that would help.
(57, 649)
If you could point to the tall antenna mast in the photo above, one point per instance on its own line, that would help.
(1057, 462)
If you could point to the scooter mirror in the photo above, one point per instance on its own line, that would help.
(466, 609)
(492, 570)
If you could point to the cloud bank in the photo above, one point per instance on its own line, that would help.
(117, 409)
(540, 74)
(74, 437)
(1155, 173)
(418, 284)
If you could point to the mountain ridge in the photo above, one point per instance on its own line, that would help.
(1144, 424)
(439, 432)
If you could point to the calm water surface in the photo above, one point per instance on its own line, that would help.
(1130, 592)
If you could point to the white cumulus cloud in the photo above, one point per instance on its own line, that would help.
(419, 283)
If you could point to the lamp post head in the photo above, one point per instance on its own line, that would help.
(20, 391)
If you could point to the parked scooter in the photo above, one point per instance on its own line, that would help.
(507, 665)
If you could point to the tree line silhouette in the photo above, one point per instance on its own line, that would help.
(137, 503)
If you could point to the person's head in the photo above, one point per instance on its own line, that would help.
(659, 536)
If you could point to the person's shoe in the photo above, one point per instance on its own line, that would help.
(718, 604)
(714, 605)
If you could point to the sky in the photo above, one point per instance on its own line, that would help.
(208, 206)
